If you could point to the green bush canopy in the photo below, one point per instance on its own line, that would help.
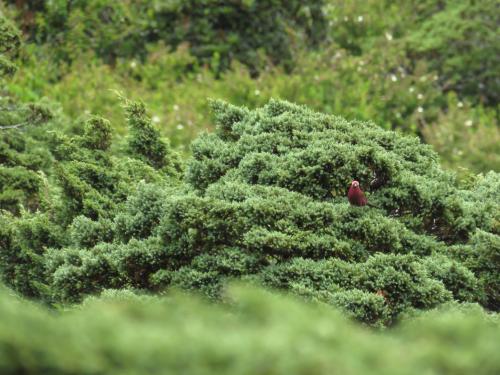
(262, 199)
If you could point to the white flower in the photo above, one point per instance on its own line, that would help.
(175, 107)
(257, 92)
(468, 123)
(460, 104)
(423, 78)
(420, 109)
(394, 78)
(156, 119)
(133, 64)
(180, 126)
(388, 36)
(420, 96)
(411, 89)
(360, 18)
(346, 18)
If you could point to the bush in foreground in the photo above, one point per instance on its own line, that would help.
(257, 333)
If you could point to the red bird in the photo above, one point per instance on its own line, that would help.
(356, 196)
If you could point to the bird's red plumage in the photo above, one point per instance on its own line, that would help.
(356, 196)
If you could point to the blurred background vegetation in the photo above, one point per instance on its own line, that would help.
(430, 68)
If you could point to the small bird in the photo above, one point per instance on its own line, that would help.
(355, 195)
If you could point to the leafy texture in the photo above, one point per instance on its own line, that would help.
(216, 31)
(264, 199)
(462, 40)
(259, 332)
(21, 156)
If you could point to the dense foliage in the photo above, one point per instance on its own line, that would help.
(263, 200)
(21, 157)
(259, 332)
(216, 31)
(10, 41)
(100, 196)
(462, 40)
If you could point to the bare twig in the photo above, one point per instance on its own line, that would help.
(13, 126)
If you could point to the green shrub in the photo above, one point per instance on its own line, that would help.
(145, 142)
(142, 212)
(23, 243)
(257, 332)
(323, 156)
(385, 284)
(21, 156)
(480, 204)
(267, 177)
(89, 188)
(93, 182)
(264, 199)
(86, 233)
(483, 258)
(75, 272)
(367, 307)
(456, 277)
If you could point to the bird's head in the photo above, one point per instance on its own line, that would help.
(355, 184)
